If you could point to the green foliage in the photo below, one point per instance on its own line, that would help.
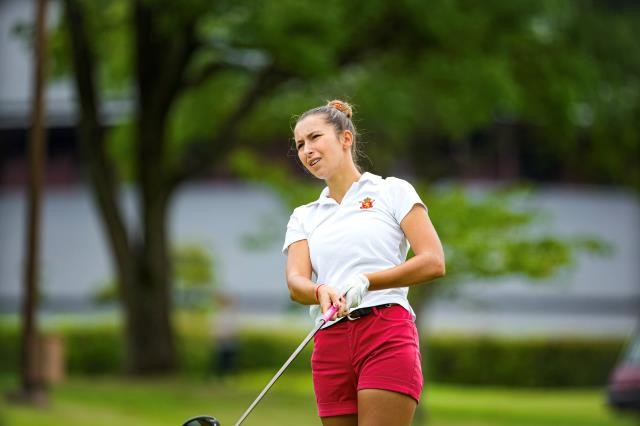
(193, 266)
(535, 362)
(120, 148)
(296, 36)
(488, 235)
(10, 344)
(194, 272)
(94, 350)
(108, 23)
(107, 292)
(202, 111)
(173, 16)
(526, 363)
(294, 191)
(221, 74)
(568, 70)
(458, 68)
(262, 350)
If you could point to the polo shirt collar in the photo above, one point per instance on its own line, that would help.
(365, 177)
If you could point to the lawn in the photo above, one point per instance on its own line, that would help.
(113, 401)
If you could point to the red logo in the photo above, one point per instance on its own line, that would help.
(367, 203)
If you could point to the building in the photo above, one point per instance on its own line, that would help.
(600, 296)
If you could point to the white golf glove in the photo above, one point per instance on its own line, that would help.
(356, 287)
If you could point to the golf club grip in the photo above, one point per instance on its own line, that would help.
(329, 313)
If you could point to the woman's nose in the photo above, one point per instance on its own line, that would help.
(307, 150)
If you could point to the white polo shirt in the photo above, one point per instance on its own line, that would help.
(360, 235)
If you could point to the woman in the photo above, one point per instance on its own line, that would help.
(354, 239)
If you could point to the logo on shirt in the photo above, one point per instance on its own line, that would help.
(367, 203)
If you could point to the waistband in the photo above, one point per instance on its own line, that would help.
(363, 312)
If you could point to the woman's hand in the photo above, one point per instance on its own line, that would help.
(355, 289)
(328, 296)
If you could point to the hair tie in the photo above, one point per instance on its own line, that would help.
(341, 106)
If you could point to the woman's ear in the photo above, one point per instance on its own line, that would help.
(347, 138)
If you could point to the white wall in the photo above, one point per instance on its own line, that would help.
(598, 296)
(16, 69)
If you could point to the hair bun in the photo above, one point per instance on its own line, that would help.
(341, 106)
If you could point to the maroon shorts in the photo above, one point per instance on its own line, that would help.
(377, 351)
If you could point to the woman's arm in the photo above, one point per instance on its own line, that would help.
(298, 270)
(428, 262)
(301, 288)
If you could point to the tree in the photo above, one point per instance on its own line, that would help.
(541, 90)
(206, 77)
(194, 278)
(33, 387)
(550, 86)
(179, 51)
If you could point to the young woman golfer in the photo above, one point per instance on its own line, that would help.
(354, 238)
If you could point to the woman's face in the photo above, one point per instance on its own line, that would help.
(320, 149)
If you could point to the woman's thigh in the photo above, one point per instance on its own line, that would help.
(347, 420)
(377, 407)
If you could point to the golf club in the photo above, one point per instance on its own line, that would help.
(202, 421)
(211, 421)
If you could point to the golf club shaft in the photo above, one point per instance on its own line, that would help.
(327, 315)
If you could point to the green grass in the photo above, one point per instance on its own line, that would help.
(115, 401)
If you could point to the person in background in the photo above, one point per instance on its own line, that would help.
(348, 248)
(224, 337)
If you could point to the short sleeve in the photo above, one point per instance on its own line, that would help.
(295, 230)
(403, 197)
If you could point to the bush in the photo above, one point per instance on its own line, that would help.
(453, 359)
(9, 348)
(270, 351)
(533, 363)
(96, 349)
(88, 349)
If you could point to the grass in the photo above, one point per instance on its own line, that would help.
(116, 401)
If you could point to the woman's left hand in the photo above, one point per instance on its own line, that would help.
(356, 288)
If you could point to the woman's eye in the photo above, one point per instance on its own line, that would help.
(316, 136)
(298, 146)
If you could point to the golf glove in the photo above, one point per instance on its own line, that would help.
(356, 287)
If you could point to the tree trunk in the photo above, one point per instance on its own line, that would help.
(33, 386)
(142, 284)
(148, 301)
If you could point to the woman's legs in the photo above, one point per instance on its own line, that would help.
(374, 346)
(348, 420)
(377, 407)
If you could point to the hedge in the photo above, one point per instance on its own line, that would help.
(567, 362)
(529, 363)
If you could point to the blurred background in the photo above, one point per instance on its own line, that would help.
(140, 245)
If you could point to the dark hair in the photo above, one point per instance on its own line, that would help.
(337, 113)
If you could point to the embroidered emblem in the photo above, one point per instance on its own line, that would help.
(367, 203)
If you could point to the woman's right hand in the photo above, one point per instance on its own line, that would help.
(328, 296)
